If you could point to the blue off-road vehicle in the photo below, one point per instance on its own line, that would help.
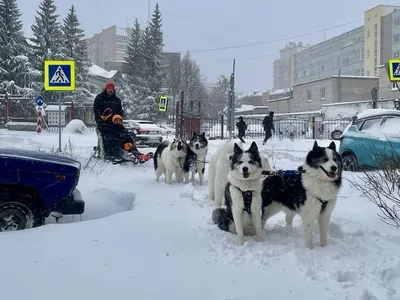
(34, 185)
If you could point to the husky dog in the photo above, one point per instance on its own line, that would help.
(220, 164)
(311, 192)
(168, 159)
(195, 160)
(242, 195)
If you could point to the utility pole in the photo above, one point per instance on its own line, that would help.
(148, 14)
(231, 104)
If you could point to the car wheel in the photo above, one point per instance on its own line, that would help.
(335, 135)
(15, 216)
(350, 163)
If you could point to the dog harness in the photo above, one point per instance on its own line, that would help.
(247, 198)
(323, 203)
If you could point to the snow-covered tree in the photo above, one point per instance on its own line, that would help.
(219, 94)
(192, 83)
(76, 49)
(15, 69)
(47, 38)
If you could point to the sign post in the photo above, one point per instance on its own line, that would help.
(231, 104)
(59, 75)
(39, 104)
(163, 103)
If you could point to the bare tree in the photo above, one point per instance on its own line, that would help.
(382, 186)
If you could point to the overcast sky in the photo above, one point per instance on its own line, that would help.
(211, 24)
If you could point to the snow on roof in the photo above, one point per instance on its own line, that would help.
(98, 71)
(252, 94)
(122, 31)
(344, 103)
(377, 112)
(55, 108)
(279, 91)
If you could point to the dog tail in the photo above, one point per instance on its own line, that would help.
(221, 217)
(159, 150)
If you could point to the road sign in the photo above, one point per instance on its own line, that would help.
(394, 69)
(59, 75)
(163, 103)
(39, 101)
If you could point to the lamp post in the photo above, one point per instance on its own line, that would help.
(396, 104)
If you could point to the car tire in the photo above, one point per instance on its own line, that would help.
(335, 135)
(350, 163)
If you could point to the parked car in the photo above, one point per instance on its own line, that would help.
(144, 132)
(370, 139)
(34, 185)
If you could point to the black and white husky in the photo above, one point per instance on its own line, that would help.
(168, 159)
(195, 160)
(311, 192)
(242, 195)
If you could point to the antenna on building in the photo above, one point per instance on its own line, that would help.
(324, 33)
(148, 14)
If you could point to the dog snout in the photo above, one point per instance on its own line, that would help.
(334, 168)
(245, 170)
(197, 146)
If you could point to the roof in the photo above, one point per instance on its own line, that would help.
(95, 70)
(377, 112)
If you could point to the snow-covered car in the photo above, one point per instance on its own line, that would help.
(144, 132)
(167, 130)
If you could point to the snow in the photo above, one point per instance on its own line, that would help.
(149, 240)
(95, 70)
(279, 91)
(377, 112)
(76, 126)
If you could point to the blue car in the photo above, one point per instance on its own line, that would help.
(371, 140)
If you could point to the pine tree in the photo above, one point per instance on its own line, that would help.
(15, 70)
(156, 67)
(76, 49)
(47, 38)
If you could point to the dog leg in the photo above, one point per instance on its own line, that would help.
(186, 175)
(159, 172)
(289, 218)
(309, 218)
(168, 176)
(256, 217)
(323, 221)
(201, 174)
(219, 193)
(237, 211)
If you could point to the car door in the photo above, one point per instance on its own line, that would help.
(369, 142)
(391, 131)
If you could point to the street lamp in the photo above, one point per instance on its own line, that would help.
(396, 104)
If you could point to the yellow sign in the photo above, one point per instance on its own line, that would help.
(59, 75)
(394, 70)
(163, 103)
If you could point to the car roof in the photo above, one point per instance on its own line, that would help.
(378, 112)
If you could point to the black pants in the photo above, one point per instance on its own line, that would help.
(241, 135)
(268, 135)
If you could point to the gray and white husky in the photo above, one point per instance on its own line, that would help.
(242, 195)
(168, 159)
(195, 160)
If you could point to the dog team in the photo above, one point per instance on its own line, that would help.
(247, 192)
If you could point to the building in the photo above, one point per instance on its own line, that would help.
(100, 76)
(53, 115)
(309, 96)
(108, 48)
(282, 67)
(376, 42)
(344, 52)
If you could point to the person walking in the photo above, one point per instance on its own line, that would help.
(268, 124)
(242, 127)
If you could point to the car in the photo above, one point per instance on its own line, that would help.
(144, 132)
(35, 185)
(370, 139)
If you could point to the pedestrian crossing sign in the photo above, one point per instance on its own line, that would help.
(394, 70)
(59, 75)
(163, 103)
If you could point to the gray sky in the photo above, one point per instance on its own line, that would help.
(210, 24)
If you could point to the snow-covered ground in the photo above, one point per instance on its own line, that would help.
(143, 240)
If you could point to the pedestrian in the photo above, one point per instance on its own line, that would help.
(242, 127)
(268, 124)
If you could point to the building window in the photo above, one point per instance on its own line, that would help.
(309, 95)
(396, 22)
(362, 71)
(323, 94)
(396, 38)
(368, 53)
(368, 33)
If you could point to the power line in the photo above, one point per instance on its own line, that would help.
(282, 38)
(237, 58)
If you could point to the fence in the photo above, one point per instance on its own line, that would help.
(312, 128)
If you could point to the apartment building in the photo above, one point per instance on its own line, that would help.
(108, 48)
(344, 52)
(283, 78)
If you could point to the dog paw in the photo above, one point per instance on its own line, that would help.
(324, 244)
(259, 238)
(240, 241)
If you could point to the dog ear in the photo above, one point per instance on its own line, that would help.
(194, 133)
(253, 147)
(332, 146)
(315, 145)
(237, 150)
(204, 134)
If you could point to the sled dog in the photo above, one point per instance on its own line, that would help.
(242, 195)
(168, 159)
(311, 192)
(195, 160)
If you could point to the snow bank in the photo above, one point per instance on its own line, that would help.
(76, 126)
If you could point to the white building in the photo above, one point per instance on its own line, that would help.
(52, 114)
